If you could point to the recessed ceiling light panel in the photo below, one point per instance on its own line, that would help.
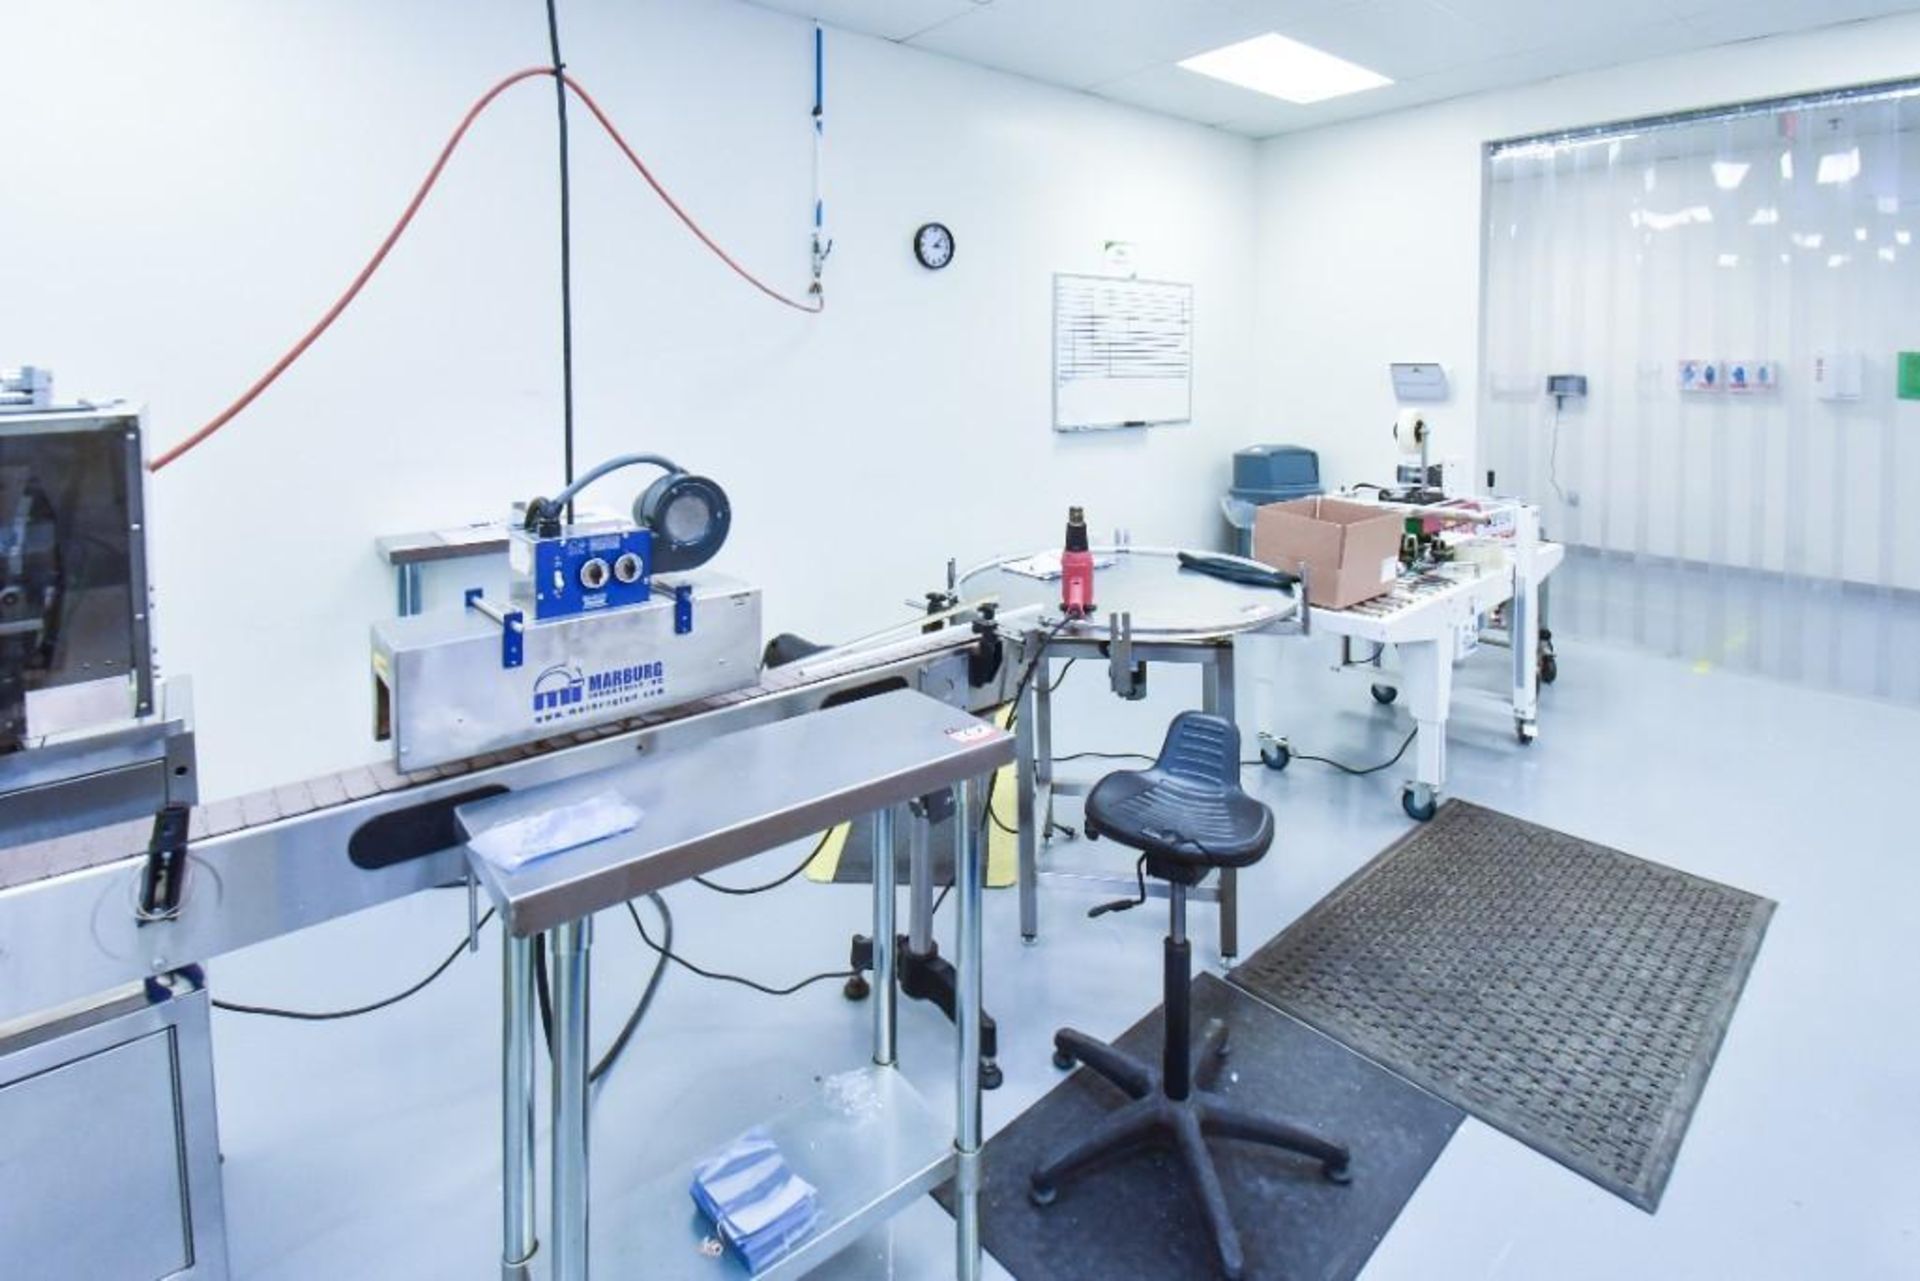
(1285, 69)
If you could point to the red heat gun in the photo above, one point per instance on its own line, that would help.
(1076, 568)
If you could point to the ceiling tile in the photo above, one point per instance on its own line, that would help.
(1788, 15)
(1178, 92)
(890, 19)
(1513, 69)
(1270, 116)
(1402, 39)
(1433, 49)
(1081, 43)
(1722, 21)
(1529, 24)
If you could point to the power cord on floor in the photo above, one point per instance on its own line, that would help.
(1356, 771)
(324, 1016)
(667, 955)
(640, 1008)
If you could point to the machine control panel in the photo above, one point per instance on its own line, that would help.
(581, 571)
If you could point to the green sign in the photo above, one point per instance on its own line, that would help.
(1909, 375)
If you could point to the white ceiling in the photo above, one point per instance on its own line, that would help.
(1127, 49)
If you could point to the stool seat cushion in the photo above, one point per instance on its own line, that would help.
(1187, 812)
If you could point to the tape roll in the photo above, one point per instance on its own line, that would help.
(1410, 430)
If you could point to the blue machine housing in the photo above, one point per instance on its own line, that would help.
(560, 568)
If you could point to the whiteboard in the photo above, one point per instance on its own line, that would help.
(1122, 352)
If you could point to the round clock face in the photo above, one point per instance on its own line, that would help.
(933, 246)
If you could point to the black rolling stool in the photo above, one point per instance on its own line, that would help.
(1186, 815)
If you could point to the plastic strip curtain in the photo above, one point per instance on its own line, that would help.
(1737, 288)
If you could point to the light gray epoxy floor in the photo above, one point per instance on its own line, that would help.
(367, 1148)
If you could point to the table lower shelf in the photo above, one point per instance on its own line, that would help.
(865, 1138)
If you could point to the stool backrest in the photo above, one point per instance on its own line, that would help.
(1202, 748)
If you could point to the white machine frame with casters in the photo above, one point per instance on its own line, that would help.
(1425, 618)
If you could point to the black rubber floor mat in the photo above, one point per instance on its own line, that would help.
(1133, 1216)
(1567, 993)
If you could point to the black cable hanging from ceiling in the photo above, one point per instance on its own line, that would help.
(566, 247)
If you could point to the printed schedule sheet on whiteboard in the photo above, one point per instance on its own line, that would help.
(1122, 352)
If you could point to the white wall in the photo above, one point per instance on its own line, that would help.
(190, 184)
(1370, 231)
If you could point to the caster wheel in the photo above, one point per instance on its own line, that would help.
(1417, 810)
(856, 988)
(1042, 1194)
(1549, 669)
(1276, 755)
(1063, 1060)
(1525, 732)
(1384, 694)
(1337, 1172)
(990, 1075)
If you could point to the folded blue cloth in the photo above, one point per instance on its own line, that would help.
(759, 1207)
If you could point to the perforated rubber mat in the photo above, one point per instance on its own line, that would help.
(1134, 1216)
(1567, 993)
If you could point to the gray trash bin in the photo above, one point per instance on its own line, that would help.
(1265, 474)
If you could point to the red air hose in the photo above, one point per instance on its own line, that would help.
(340, 304)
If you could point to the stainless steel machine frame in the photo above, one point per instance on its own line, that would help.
(1039, 784)
(1164, 616)
(442, 693)
(279, 860)
(107, 1118)
(112, 776)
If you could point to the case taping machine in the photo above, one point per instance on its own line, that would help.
(610, 638)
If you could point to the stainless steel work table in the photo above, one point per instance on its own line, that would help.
(703, 807)
(1148, 610)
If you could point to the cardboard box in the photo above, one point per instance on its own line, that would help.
(1351, 550)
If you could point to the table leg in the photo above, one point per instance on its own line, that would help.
(569, 945)
(967, 1012)
(1043, 750)
(920, 869)
(1426, 678)
(1524, 616)
(1217, 688)
(1217, 697)
(407, 589)
(1524, 629)
(1029, 871)
(517, 1234)
(884, 986)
